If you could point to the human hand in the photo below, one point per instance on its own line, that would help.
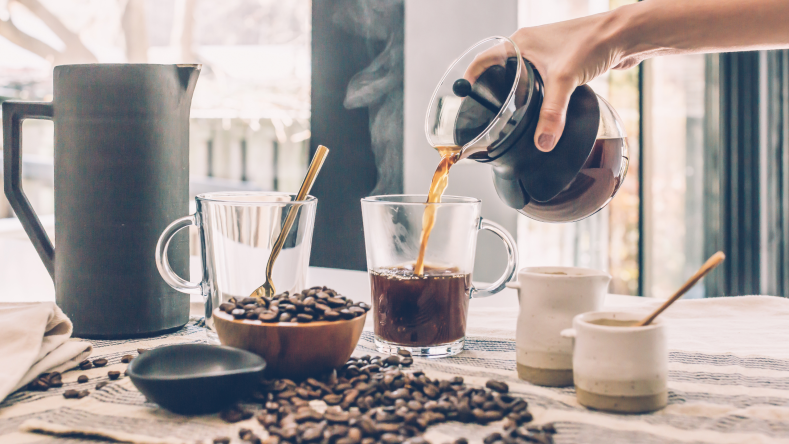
(566, 54)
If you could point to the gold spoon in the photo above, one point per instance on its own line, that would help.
(708, 266)
(267, 289)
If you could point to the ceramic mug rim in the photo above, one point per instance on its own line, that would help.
(543, 272)
(583, 319)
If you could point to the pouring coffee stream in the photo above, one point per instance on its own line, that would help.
(449, 156)
(268, 289)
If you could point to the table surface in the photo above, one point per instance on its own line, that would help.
(728, 378)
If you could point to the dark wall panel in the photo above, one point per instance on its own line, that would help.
(731, 172)
(746, 172)
(776, 181)
(357, 103)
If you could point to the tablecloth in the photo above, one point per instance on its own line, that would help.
(728, 383)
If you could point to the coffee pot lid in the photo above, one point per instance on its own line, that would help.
(488, 103)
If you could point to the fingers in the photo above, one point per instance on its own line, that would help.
(496, 55)
(553, 113)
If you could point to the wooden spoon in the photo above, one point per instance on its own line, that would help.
(708, 266)
(268, 289)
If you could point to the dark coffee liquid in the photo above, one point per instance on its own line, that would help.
(420, 310)
(592, 188)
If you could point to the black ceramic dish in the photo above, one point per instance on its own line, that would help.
(195, 378)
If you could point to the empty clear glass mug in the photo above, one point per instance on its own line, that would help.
(425, 314)
(237, 232)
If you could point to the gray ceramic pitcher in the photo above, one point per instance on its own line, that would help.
(121, 175)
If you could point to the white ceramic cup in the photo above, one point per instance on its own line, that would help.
(619, 368)
(549, 299)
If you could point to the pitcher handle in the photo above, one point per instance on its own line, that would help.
(13, 114)
(512, 260)
(163, 264)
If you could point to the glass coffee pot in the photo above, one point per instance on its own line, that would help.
(492, 117)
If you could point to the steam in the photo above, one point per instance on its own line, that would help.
(379, 86)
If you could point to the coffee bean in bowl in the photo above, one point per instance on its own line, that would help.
(298, 334)
(312, 305)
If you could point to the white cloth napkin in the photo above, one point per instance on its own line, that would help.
(34, 339)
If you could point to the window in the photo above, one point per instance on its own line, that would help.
(250, 111)
(250, 119)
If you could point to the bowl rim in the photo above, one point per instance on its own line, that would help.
(257, 323)
(257, 368)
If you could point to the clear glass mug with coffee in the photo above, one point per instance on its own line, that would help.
(421, 278)
(487, 105)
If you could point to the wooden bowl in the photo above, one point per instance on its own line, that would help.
(293, 351)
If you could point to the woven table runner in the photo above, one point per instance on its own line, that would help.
(718, 393)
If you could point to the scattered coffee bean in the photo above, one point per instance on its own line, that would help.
(101, 362)
(404, 352)
(55, 379)
(113, 374)
(39, 384)
(70, 394)
(83, 394)
(101, 385)
(235, 414)
(248, 436)
(311, 305)
(127, 359)
(82, 379)
(84, 365)
(492, 438)
(392, 360)
(222, 440)
(141, 351)
(497, 386)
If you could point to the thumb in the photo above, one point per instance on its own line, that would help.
(552, 114)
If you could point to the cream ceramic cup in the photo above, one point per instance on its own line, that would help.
(549, 299)
(619, 368)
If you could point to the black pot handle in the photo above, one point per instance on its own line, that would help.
(13, 114)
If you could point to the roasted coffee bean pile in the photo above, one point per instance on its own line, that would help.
(372, 400)
(313, 304)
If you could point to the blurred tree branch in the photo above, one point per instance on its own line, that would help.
(75, 51)
(25, 41)
(135, 31)
(183, 30)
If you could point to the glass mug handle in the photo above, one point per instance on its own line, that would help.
(163, 264)
(512, 260)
